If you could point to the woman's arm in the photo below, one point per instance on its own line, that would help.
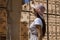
(39, 30)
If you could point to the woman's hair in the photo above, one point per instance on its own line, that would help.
(36, 14)
(42, 7)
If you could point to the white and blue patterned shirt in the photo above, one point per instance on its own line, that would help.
(37, 21)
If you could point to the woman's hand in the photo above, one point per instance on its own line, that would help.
(39, 31)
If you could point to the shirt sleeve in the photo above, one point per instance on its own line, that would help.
(38, 22)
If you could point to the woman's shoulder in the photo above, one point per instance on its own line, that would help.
(37, 19)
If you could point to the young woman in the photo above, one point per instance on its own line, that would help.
(36, 32)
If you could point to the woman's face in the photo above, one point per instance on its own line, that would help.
(40, 11)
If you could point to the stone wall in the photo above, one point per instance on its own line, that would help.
(3, 17)
(53, 16)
